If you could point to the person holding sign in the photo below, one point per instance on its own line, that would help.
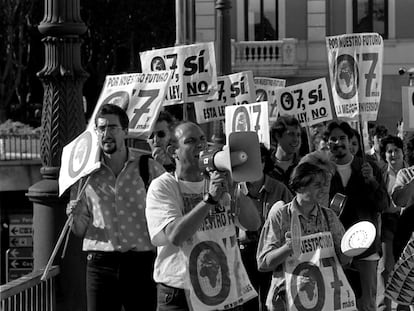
(109, 215)
(285, 230)
(367, 198)
(191, 219)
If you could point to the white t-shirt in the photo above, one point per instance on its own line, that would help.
(345, 172)
(163, 206)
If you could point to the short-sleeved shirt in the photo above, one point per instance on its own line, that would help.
(113, 208)
(279, 222)
(271, 191)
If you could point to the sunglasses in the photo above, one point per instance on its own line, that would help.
(159, 134)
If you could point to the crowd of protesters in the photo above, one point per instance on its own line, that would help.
(378, 184)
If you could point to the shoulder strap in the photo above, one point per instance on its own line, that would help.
(144, 169)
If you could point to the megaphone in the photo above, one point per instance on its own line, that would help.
(241, 157)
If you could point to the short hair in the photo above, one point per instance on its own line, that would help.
(281, 124)
(115, 110)
(390, 139)
(409, 149)
(304, 174)
(321, 160)
(343, 126)
(379, 131)
(165, 116)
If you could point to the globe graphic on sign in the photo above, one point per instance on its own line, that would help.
(345, 76)
(307, 289)
(210, 277)
(80, 153)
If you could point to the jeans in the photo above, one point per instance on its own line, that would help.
(115, 280)
(171, 298)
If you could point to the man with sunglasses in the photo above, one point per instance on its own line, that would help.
(110, 216)
(159, 139)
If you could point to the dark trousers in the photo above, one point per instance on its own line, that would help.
(174, 299)
(260, 280)
(115, 280)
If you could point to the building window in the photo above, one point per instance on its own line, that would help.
(261, 20)
(371, 16)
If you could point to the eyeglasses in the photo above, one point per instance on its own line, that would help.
(159, 134)
(112, 129)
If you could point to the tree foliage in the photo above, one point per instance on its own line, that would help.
(117, 31)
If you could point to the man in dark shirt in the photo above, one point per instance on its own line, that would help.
(367, 197)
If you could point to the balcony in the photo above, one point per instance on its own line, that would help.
(265, 58)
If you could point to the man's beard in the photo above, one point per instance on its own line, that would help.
(109, 148)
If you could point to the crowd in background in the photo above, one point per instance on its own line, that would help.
(302, 172)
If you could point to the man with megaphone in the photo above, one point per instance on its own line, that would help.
(191, 219)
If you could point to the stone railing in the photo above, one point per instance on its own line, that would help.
(19, 147)
(265, 57)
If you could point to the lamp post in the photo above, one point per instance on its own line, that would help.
(223, 56)
(62, 120)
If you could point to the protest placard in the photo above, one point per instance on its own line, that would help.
(194, 71)
(408, 107)
(355, 68)
(315, 279)
(308, 102)
(140, 94)
(234, 89)
(266, 91)
(79, 158)
(250, 117)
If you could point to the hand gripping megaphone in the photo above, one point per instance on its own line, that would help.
(241, 157)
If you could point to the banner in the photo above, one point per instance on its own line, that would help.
(308, 102)
(315, 279)
(140, 94)
(408, 107)
(400, 284)
(250, 117)
(79, 158)
(355, 68)
(217, 279)
(234, 89)
(194, 71)
(266, 91)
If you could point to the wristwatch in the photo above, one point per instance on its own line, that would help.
(208, 198)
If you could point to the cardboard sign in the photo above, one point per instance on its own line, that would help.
(315, 279)
(216, 278)
(266, 91)
(308, 102)
(140, 94)
(194, 71)
(408, 107)
(234, 89)
(251, 117)
(79, 158)
(355, 68)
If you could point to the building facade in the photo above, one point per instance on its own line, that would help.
(286, 39)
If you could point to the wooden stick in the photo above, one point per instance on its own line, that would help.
(65, 232)
(55, 250)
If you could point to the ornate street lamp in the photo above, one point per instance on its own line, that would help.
(62, 120)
